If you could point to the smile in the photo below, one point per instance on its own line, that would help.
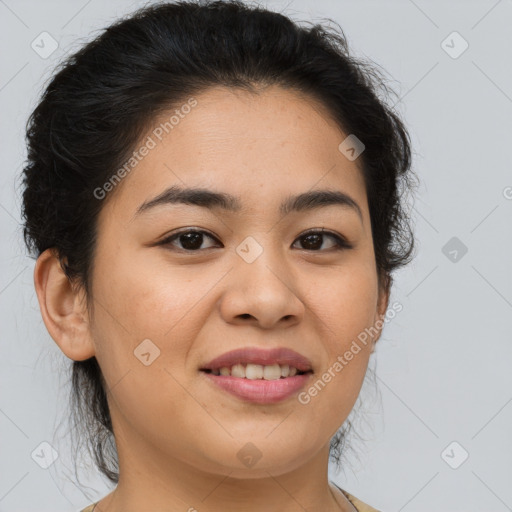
(259, 384)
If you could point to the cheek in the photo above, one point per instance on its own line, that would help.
(149, 313)
(150, 297)
(345, 310)
(144, 328)
(345, 300)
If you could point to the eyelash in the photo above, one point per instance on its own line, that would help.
(341, 243)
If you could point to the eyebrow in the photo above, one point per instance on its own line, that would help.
(210, 199)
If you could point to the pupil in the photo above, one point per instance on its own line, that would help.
(191, 240)
(313, 245)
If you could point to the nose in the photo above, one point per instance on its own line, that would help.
(263, 293)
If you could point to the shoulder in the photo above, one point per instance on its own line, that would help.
(358, 504)
(89, 508)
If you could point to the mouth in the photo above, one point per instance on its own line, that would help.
(257, 371)
(259, 376)
(259, 390)
(246, 362)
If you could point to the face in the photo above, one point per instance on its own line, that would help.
(176, 285)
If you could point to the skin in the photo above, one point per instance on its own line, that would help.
(178, 435)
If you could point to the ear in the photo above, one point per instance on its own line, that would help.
(63, 308)
(382, 306)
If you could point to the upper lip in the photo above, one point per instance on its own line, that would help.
(254, 355)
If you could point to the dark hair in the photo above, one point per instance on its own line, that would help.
(102, 99)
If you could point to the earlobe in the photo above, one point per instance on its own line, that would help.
(63, 309)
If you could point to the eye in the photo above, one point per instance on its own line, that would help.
(313, 240)
(190, 240)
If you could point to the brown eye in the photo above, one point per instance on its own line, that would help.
(190, 240)
(314, 240)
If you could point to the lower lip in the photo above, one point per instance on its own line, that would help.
(260, 391)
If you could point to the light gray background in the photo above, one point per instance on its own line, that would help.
(443, 364)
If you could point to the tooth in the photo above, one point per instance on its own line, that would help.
(257, 371)
(254, 371)
(238, 370)
(272, 372)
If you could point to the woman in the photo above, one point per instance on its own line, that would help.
(213, 196)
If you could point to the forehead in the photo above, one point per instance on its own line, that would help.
(254, 146)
